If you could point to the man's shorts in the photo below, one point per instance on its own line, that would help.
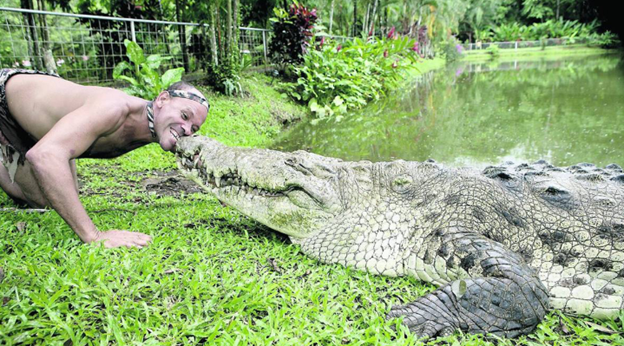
(14, 140)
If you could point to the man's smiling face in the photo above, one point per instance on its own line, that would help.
(177, 117)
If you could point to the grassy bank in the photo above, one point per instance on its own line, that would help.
(537, 52)
(211, 276)
(428, 65)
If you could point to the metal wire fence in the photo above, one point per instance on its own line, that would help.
(86, 48)
(253, 45)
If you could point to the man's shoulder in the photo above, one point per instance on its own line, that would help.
(113, 101)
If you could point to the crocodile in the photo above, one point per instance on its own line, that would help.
(504, 244)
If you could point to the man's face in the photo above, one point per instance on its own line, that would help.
(177, 117)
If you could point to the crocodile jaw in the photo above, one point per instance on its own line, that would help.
(287, 192)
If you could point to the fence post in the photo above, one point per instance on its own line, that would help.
(516, 45)
(132, 31)
(264, 44)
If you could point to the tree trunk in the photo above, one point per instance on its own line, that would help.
(235, 37)
(355, 18)
(234, 47)
(213, 36)
(372, 26)
(331, 17)
(235, 15)
(48, 58)
(365, 24)
(228, 32)
(35, 51)
(182, 37)
(385, 21)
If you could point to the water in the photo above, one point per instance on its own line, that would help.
(565, 111)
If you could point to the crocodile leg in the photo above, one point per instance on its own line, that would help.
(502, 294)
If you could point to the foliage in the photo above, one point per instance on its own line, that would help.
(225, 78)
(537, 31)
(292, 31)
(112, 33)
(452, 49)
(537, 9)
(144, 74)
(480, 15)
(605, 40)
(223, 58)
(494, 51)
(338, 77)
(256, 13)
(483, 35)
(509, 32)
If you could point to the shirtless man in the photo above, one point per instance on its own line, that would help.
(47, 122)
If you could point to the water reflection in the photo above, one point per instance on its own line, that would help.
(565, 111)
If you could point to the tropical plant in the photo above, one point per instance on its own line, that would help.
(143, 73)
(540, 31)
(605, 40)
(338, 77)
(452, 49)
(483, 35)
(292, 31)
(112, 32)
(509, 32)
(493, 50)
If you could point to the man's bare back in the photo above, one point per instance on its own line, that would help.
(66, 121)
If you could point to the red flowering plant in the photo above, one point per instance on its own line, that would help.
(292, 31)
(344, 74)
(391, 33)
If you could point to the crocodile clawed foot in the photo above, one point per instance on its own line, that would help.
(425, 324)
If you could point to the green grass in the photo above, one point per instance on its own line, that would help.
(538, 52)
(211, 275)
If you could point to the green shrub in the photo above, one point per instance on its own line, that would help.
(604, 40)
(292, 31)
(452, 50)
(143, 73)
(493, 50)
(541, 31)
(338, 77)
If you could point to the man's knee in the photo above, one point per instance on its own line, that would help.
(24, 189)
(11, 188)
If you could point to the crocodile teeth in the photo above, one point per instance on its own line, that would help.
(218, 181)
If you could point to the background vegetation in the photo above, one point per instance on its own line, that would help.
(214, 49)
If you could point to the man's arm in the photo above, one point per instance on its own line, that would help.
(68, 139)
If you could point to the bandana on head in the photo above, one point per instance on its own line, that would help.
(191, 96)
(173, 93)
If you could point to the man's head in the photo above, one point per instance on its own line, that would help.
(178, 111)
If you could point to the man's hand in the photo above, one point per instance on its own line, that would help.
(117, 238)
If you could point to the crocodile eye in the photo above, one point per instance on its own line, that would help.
(402, 183)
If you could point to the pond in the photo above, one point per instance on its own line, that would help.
(566, 111)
